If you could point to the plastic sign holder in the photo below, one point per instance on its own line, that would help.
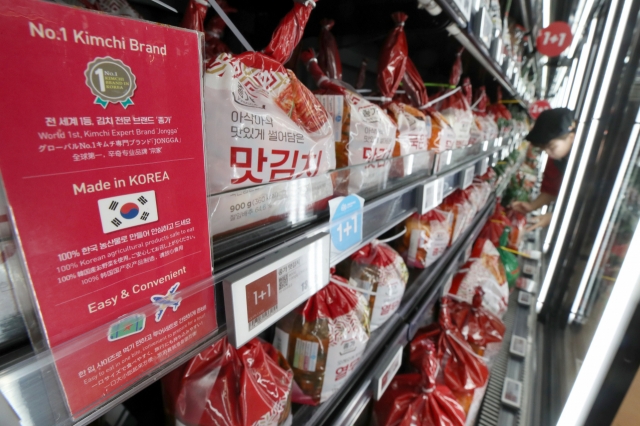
(258, 296)
(518, 346)
(383, 377)
(525, 298)
(430, 195)
(512, 393)
(345, 222)
(467, 177)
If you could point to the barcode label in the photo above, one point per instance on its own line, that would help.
(306, 355)
(283, 278)
(468, 177)
(256, 322)
(432, 194)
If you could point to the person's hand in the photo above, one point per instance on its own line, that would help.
(521, 206)
(541, 222)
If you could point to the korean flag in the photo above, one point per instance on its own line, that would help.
(127, 211)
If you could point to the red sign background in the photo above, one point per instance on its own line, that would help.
(536, 108)
(57, 139)
(554, 39)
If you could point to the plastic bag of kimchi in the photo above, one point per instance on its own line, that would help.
(329, 55)
(500, 114)
(323, 340)
(262, 124)
(489, 126)
(483, 330)
(427, 237)
(484, 269)
(467, 195)
(364, 133)
(461, 369)
(456, 108)
(414, 127)
(378, 268)
(519, 223)
(458, 205)
(477, 129)
(223, 385)
(417, 399)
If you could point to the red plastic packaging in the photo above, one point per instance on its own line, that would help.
(462, 210)
(329, 55)
(463, 371)
(484, 269)
(393, 57)
(480, 328)
(427, 237)
(456, 108)
(414, 128)
(224, 386)
(362, 74)
(378, 268)
(417, 399)
(194, 15)
(315, 336)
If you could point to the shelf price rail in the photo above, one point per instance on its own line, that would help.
(23, 381)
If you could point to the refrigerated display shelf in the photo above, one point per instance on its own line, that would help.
(36, 373)
(422, 293)
(462, 32)
(521, 323)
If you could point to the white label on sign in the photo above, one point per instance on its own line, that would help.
(264, 292)
(518, 346)
(505, 153)
(381, 381)
(468, 177)
(345, 222)
(485, 146)
(430, 195)
(512, 392)
(524, 298)
(528, 269)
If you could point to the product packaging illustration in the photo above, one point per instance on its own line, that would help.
(103, 165)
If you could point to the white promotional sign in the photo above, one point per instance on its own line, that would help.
(259, 295)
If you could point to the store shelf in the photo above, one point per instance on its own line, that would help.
(21, 382)
(461, 31)
(423, 291)
(521, 323)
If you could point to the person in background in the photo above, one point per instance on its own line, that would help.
(554, 132)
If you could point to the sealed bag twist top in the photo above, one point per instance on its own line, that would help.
(323, 340)
(414, 127)
(463, 371)
(483, 330)
(262, 125)
(417, 399)
(250, 386)
(455, 108)
(379, 269)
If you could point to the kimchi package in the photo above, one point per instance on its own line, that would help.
(222, 385)
(379, 270)
(462, 210)
(484, 269)
(263, 125)
(483, 330)
(417, 398)
(488, 127)
(461, 370)
(427, 237)
(414, 127)
(456, 108)
(363, 132)
(323, 340)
